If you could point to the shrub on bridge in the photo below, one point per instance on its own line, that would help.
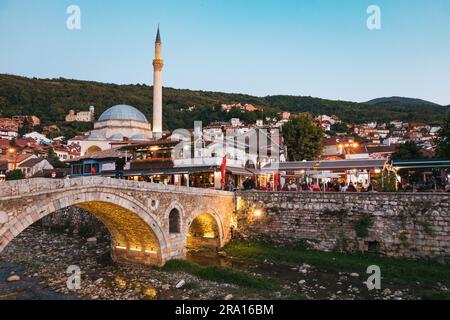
(14, 175)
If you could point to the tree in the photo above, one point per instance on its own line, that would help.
(54, 160)
(303, 139)
(408, 151)
(14, 175)
(27, 127)
(339, 127)
(443, 145)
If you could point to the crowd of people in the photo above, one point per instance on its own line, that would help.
(292, 185)
(331, 186)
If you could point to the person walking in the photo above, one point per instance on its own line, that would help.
(120, 165)
(231, 186)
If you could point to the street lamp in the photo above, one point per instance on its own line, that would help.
(13, 151)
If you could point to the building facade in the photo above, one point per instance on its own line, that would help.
(82, 116)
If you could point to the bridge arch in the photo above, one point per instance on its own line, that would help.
(136, 234)
(205, 230)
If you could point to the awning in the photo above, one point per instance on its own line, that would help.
(416, 164)
(164, 171)
(239, 171)
(289, 166)
(327, 165)
(326, 176)
(352, 164)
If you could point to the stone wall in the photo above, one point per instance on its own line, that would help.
(394, 224)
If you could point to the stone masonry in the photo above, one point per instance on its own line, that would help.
(394, 224)
(135, 213)
(137, 217)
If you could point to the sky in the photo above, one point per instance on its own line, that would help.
(320, 48)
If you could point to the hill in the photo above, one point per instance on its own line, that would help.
(51, 99)
(402, 101)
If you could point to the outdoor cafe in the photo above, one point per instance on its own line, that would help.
(322, 175)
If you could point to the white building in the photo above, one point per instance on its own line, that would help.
(115, 124)
(33, 166)
(83, 116)
(38, 137)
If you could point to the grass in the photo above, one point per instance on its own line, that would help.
(435, 295)
(396, 269)
(221, 274)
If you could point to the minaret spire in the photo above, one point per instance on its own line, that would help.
(158, 65)
(158, 36)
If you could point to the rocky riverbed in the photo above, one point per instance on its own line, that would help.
(34, 266)
(40, 260)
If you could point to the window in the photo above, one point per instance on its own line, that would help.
(87, 168)
(77, 169)
(174, 221)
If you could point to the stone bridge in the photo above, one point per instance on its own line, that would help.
(148, 223)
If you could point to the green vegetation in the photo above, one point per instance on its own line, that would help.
(14, 175)
(401, 270)
(435, 295)
(427, 228)
(52, 99)
(303, 139)
(351, 112)
(221, 274)
(384, 181)
(362, 225)
(443, 146)
(54, 160)
(338, 128)
(408, 151)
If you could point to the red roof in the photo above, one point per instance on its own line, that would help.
(4, 143)
(12, 158)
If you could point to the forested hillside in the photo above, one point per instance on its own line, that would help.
(52, 99)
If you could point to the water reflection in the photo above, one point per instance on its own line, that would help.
(208, 258)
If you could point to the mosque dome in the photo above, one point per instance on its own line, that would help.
(117, 136)
(123, 112)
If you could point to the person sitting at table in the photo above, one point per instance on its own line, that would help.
(351, 187)
(293, 186)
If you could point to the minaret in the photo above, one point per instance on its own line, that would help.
(158, 64)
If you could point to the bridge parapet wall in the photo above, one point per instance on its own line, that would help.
(38, 185)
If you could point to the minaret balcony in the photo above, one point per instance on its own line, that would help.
(158, 64)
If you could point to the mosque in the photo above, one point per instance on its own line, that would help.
(124, 122)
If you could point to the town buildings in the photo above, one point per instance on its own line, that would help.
(82, 116)
(9, 129)
(241, 107)
(226, 152)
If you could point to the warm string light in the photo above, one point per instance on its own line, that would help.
(137, 249)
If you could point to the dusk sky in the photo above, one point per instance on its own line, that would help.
(319, 48)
